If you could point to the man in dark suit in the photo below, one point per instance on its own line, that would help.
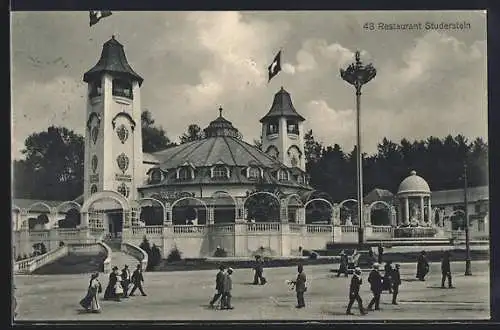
(259, 270)
(219, 285)
(137, 280)
(396, 282)
(356, 282)
(300, 286)
(380, 250)
(375, 280)
(125, 280)
(446, 270)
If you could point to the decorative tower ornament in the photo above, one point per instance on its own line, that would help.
(283, 132)
(113, 149)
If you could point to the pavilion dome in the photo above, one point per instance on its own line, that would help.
(414, 184)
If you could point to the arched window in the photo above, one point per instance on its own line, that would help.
(254, 173)
(156, 176)
(184, 173)
(220, 172)
(283, 175)
(300, 179)
(122, 88)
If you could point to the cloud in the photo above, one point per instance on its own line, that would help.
(34, 108)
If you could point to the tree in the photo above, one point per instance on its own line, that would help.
(193, 133)
(153, 138)
(53, 165)
(312, 148)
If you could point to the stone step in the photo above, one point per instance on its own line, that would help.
(120, 259)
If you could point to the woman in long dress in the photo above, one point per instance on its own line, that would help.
(111, 290)
(91, 301)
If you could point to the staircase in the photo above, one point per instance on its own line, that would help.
(119, 258)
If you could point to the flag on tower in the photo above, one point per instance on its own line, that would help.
(97, 15)
(275, 67)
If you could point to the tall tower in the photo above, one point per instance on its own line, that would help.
(113, 138)
(283, 132)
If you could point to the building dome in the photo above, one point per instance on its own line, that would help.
(414, 184)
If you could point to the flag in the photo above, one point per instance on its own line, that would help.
(275, 67)
(96, 15)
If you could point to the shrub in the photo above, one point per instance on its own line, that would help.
(43, 249)
(19, 258)
(174, 255)
(25, 256)
(61, 243)
(154, 257)
(220, 253)
(145, 245)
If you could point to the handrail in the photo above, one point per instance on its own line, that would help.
(136, 252)
(107, 261)
(30, 265)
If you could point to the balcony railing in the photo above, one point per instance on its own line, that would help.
(263, 227)
(349, 229)
(319, 228)
(189, 229)
(382, 229)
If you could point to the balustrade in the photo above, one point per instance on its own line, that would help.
(30, 265)
(189, 229)
(382, 229)
(263, 227)
(319, 228)
(221, 228)
(295, 227)
(349, 229)
(154, 230)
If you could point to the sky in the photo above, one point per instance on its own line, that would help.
(429, 82)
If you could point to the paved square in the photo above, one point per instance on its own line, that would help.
(185, 295)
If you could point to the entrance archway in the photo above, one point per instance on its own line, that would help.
(262, 206)
(152, 214)
(224, 206)
(72, 214)
(108, 211)
(381, 214)
(318, 210)
(189, 210)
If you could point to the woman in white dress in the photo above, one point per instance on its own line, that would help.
(91, 300)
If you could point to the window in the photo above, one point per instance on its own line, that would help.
(282, 175)
(95, 89)
(220, 172)
(254, 173)
(184, 173)
(292, 127)
(122, 88)
(156, 176)
(300, 179)
(273, 128)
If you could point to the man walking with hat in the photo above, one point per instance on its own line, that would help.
(227, 287)
(356, 282)
(219, 285)
(375, 280)
(125, 280)
(137, 279)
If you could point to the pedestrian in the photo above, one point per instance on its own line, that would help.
(375, 280)
(344, 264)
(380, 253)
(396, 282)
(259, 270)
(356, 282)
(137, 280)
(422, 266)
(227, 287)
(300, 286)
(91, 300)
(386, 283)
(219, 285)
(125, 280)
(111, 292)
(446, 270)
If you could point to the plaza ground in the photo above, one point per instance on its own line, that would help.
(185, 295)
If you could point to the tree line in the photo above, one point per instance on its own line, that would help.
(53, 164)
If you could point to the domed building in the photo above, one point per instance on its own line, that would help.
(414, 201)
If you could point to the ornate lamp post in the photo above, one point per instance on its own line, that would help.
(358, 74)
(468, 270)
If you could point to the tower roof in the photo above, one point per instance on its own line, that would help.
(282, 107)
(221, 127)
(113, 60)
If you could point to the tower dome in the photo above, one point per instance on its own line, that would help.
(221, 127)
(414, 184)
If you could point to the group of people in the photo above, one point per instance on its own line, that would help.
(423, 268)
(390, 281)
(223, 286)
(117, 288)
